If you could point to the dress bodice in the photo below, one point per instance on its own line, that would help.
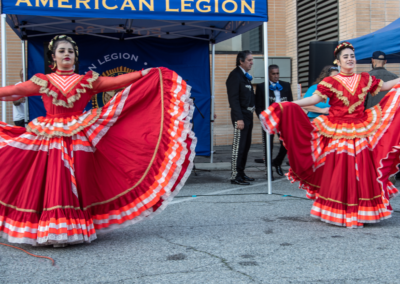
(65, 94)
(347, 94)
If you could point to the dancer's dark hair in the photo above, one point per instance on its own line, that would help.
(339, 49)
(53, 44)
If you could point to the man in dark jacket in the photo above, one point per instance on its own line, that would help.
(378, 62)
(241, 102)
(279, 91)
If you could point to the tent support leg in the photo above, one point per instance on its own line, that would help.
(212, 101)
(3, 63)
(23, 46)
(268, 144)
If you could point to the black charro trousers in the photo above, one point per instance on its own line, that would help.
(241, 146)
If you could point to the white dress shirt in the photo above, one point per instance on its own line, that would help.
(19, 111)
(243, 70)
(277, 93)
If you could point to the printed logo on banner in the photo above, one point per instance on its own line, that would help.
(103, 98)
(113, 57)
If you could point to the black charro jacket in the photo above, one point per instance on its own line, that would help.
(286, 95)
(240, 94)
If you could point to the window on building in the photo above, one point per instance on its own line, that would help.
(251, 40)
(316, 20)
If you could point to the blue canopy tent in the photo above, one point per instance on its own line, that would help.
(203, 20)
(385, 39)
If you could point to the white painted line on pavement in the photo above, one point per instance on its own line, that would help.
(224, 191)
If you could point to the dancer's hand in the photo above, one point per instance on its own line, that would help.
(240, 124)
(146, 71)
(325, 110)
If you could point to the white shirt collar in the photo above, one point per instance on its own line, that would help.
(242, 69)
(272, 83)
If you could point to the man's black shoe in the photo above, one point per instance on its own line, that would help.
(246, 178)
(239, 181)
(259, 161)
(279, 170)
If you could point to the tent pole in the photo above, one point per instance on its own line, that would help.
(268, 144)
(212, 101)
(23, 46)
(3, 62)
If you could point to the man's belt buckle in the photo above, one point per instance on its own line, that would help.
(252, 109)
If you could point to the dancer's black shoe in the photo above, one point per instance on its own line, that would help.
(239, 181)
(259, 161)
(278, 168)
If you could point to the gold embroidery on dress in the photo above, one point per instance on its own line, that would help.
(379, 117)
(317, 186)
(68, 90)
(45, 90)
(361, 96)
(339, 94)
(318, 93)
(337, 201)
(378, 89)
(344, 85)
(58, 133)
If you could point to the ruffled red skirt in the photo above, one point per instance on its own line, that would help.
(344, 167)
(68, 179)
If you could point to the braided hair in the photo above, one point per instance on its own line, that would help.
(53, 44)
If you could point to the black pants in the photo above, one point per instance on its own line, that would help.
(241, 146)
(281, 154)
(20, 123)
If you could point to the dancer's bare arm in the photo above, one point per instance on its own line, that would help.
(310, 101)
(104, 84)
(16, 92)
(317, 109)
(389, 84)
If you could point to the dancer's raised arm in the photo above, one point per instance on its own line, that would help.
(16, 92)
(389, 84)
(104, 84)
(310, 101)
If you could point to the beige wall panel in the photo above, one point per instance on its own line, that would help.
(14, 65)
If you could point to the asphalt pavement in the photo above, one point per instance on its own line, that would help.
(215, 232)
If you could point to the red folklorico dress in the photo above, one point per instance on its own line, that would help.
(343, 160)
(73, 174)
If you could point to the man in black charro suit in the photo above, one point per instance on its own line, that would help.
(241, 102)
(279, 91)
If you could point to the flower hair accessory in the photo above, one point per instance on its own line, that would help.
(341, 46)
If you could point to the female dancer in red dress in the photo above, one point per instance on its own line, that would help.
(344, 159)
(73, 174)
